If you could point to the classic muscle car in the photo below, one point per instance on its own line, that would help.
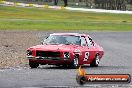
(66, 49)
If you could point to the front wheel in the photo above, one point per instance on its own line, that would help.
(74, 63)
(95, 62)
(33, 64)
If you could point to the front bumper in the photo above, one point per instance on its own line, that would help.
(49, 60)
(46, 58)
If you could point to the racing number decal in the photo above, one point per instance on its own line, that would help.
(86, 56)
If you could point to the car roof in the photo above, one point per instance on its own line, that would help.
(73, 34)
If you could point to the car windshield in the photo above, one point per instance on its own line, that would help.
(62, 39)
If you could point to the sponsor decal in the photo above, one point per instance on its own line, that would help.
(82, 78)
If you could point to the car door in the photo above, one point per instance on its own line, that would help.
(86, 51)
(91, 48)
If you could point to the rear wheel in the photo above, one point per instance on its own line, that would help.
(95, 62)
(74, 63)
(33, 64)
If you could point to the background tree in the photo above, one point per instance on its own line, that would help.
(89, 3)
(65, 3)
(55, 2)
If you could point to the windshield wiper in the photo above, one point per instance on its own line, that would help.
(54, 43)
(69, 44)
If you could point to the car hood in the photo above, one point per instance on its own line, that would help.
(60, 47)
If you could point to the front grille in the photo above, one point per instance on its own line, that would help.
(47, 54)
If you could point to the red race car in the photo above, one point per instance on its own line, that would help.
(67, 49)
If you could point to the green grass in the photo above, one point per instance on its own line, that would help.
(14, 18)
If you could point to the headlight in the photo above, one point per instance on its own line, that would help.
(29, 52)
(77, 51)
(66, 54)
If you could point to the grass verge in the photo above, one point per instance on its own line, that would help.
(16, 18)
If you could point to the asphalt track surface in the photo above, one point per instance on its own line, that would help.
(117, 60)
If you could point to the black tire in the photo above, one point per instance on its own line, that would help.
(33, 64)
(74, 63)
(95, 62)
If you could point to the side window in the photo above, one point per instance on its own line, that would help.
(90, 41)
(83, 41)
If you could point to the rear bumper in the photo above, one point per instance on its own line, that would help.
(49, 60)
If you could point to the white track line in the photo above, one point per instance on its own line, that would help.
(99, 10)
